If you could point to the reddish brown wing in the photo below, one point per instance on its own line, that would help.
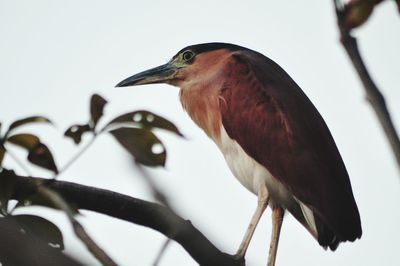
(268, 114)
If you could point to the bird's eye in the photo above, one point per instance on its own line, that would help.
(187, 56)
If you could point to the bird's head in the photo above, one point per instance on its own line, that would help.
(191, 64)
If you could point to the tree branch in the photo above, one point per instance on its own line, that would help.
(136, 211)
(373, 94)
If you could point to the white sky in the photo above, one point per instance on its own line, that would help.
(55, 54)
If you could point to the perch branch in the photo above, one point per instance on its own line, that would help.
(136, 211)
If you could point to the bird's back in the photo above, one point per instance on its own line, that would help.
(271, 118)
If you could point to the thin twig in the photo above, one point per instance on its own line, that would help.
(373, 94)
(76, 156)
(162, 198)
(18, 161)
(161, 252)
(23, 167)
(156, 192)
(80, 232)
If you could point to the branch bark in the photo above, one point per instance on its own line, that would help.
(373, 94)
(136, 211)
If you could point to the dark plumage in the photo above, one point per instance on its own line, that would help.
(273, 138)
(290, 138)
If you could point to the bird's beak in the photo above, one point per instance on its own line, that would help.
(158, 74)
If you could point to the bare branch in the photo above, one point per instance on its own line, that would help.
(373, 94)
(137, 211)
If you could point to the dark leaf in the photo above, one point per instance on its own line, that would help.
(38, 153)
(142, 144)
(31, 119)
(7, 188)
(76, 131)
(2, 153)
(97, 104)
(357, 12)
(145, 119)
(41, 156)
(40, 228)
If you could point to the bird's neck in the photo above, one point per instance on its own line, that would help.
(202, 105)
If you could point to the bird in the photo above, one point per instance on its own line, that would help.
(272, 137)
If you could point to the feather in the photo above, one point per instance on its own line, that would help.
(280, 128)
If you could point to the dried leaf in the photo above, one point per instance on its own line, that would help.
(24, 140)
(7, 189)
(358, 12)
(146, 120)
(40, 228)
(41, 156)
(97, 104)
(31, 119)
(142, 144)
(76, 131)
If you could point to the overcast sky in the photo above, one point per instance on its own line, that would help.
(55, 54)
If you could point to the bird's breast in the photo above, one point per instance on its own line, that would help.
(249, 172)
(203, 107)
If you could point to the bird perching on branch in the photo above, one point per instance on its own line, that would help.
(272, 137)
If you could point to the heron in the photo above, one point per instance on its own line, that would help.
(272, 137)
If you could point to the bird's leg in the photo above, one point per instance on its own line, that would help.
(263, 198)
(277, 218)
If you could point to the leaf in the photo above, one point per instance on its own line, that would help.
(359, 11)
(76, 131)
(2, 153)
(97, 104)
(41, 156)
(31, 119)
(145, 119)
(7, 189)
(142, 144)
(24, 140)
(38, 153)
(41, 228)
